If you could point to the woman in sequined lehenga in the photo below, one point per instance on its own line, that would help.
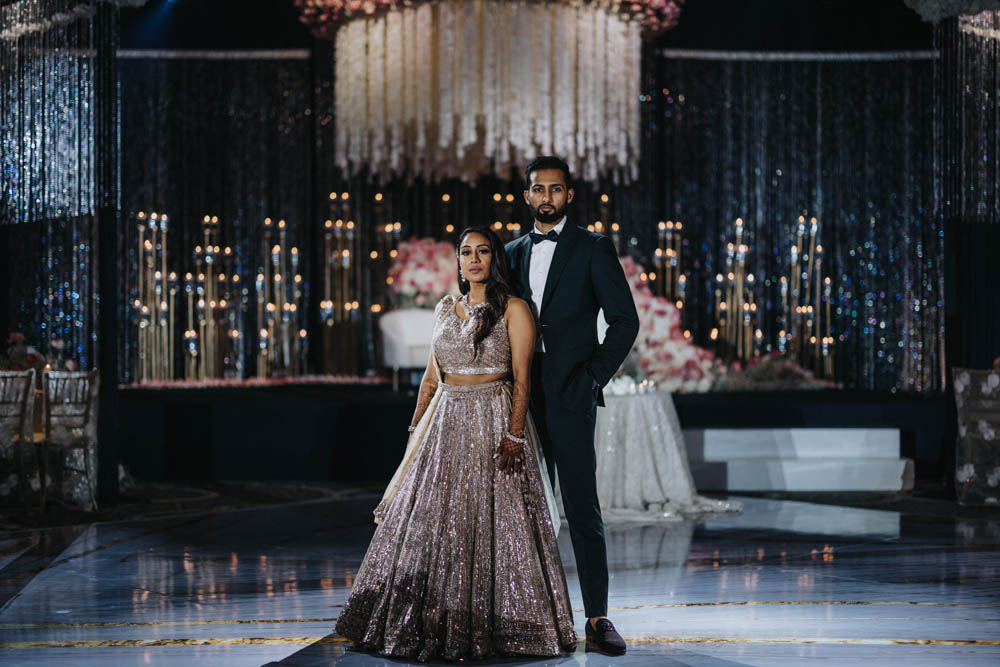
(464, 563)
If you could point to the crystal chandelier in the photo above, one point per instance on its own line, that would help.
(457, 89)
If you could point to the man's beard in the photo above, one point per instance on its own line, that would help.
(548, 218)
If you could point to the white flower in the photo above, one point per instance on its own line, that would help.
(986, 430)
(994, 477)
(965, 473)
(8, 485)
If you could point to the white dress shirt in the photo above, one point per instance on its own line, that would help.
(538, 268)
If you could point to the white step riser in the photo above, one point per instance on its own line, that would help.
(792, 443)
(817, 475)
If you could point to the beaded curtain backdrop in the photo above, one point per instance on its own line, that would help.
(818, 172)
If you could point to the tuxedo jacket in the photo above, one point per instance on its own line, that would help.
(584, 277)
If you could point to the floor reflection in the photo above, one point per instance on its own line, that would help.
(330, 654)
(781, 583)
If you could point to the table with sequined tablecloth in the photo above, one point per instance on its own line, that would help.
(642, 466)
(977, 455)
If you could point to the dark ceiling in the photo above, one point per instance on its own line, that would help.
(755, 25)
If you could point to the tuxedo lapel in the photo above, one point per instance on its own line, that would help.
(523, 266)
(564, 250)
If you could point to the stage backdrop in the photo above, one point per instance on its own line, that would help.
(228, 136)
(846, 139)
(853, 142)
(50, 169)
(967, 89)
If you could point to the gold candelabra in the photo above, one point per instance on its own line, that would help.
(156, 300)
(804, 318)
(736, 332)
(385, 250)
(807, 325)
(212, 339)
(503, 209)
(668, 278)
(339, 308)
(283, 344)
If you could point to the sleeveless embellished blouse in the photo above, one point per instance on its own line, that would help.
(452, 343)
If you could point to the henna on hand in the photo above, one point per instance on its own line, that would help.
(511, 455)
(428, 386)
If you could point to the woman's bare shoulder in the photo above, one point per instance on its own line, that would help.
(518, 306)
(518, 312)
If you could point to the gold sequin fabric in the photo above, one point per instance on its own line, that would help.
(452, 342)
(464, 564)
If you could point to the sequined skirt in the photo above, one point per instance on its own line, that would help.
(464, 563)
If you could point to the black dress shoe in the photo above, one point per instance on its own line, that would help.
(605, 638)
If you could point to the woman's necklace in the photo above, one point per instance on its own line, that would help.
(473, 309)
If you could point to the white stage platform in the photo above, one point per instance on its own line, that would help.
(798, 459)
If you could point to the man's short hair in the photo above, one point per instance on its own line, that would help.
(546, 162)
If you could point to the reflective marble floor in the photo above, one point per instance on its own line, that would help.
(783, 583)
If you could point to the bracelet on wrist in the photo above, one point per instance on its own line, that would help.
(518, 439)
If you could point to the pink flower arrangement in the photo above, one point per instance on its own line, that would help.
(323, 17)
(772, 372)
(423, 271)
(665, 356)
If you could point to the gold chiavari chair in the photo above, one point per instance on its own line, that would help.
(70, 421)
(16, 407)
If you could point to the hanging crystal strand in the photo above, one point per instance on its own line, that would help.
(490, 76)
(408, 58)
(615, 94)
(584, 44)
(762, 159)
(598, 81)
(470, 78)
(594, 104)
(623, 97)
(394, 88)
(907, 380)
(467, 33)
(424, 42)
(938, 161)
(602, 91)
(633, 84)
(446, 81)
(34, 133)
(357, 106)
(377, 95)
(564, 57)
(542, 18)
(520, 83)
(504, 13)
(7, 66)
(342, 98)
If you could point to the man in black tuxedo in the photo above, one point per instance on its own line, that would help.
(568, 274)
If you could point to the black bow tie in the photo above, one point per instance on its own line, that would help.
(538, 238)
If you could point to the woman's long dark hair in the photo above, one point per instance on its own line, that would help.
(498, 289)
